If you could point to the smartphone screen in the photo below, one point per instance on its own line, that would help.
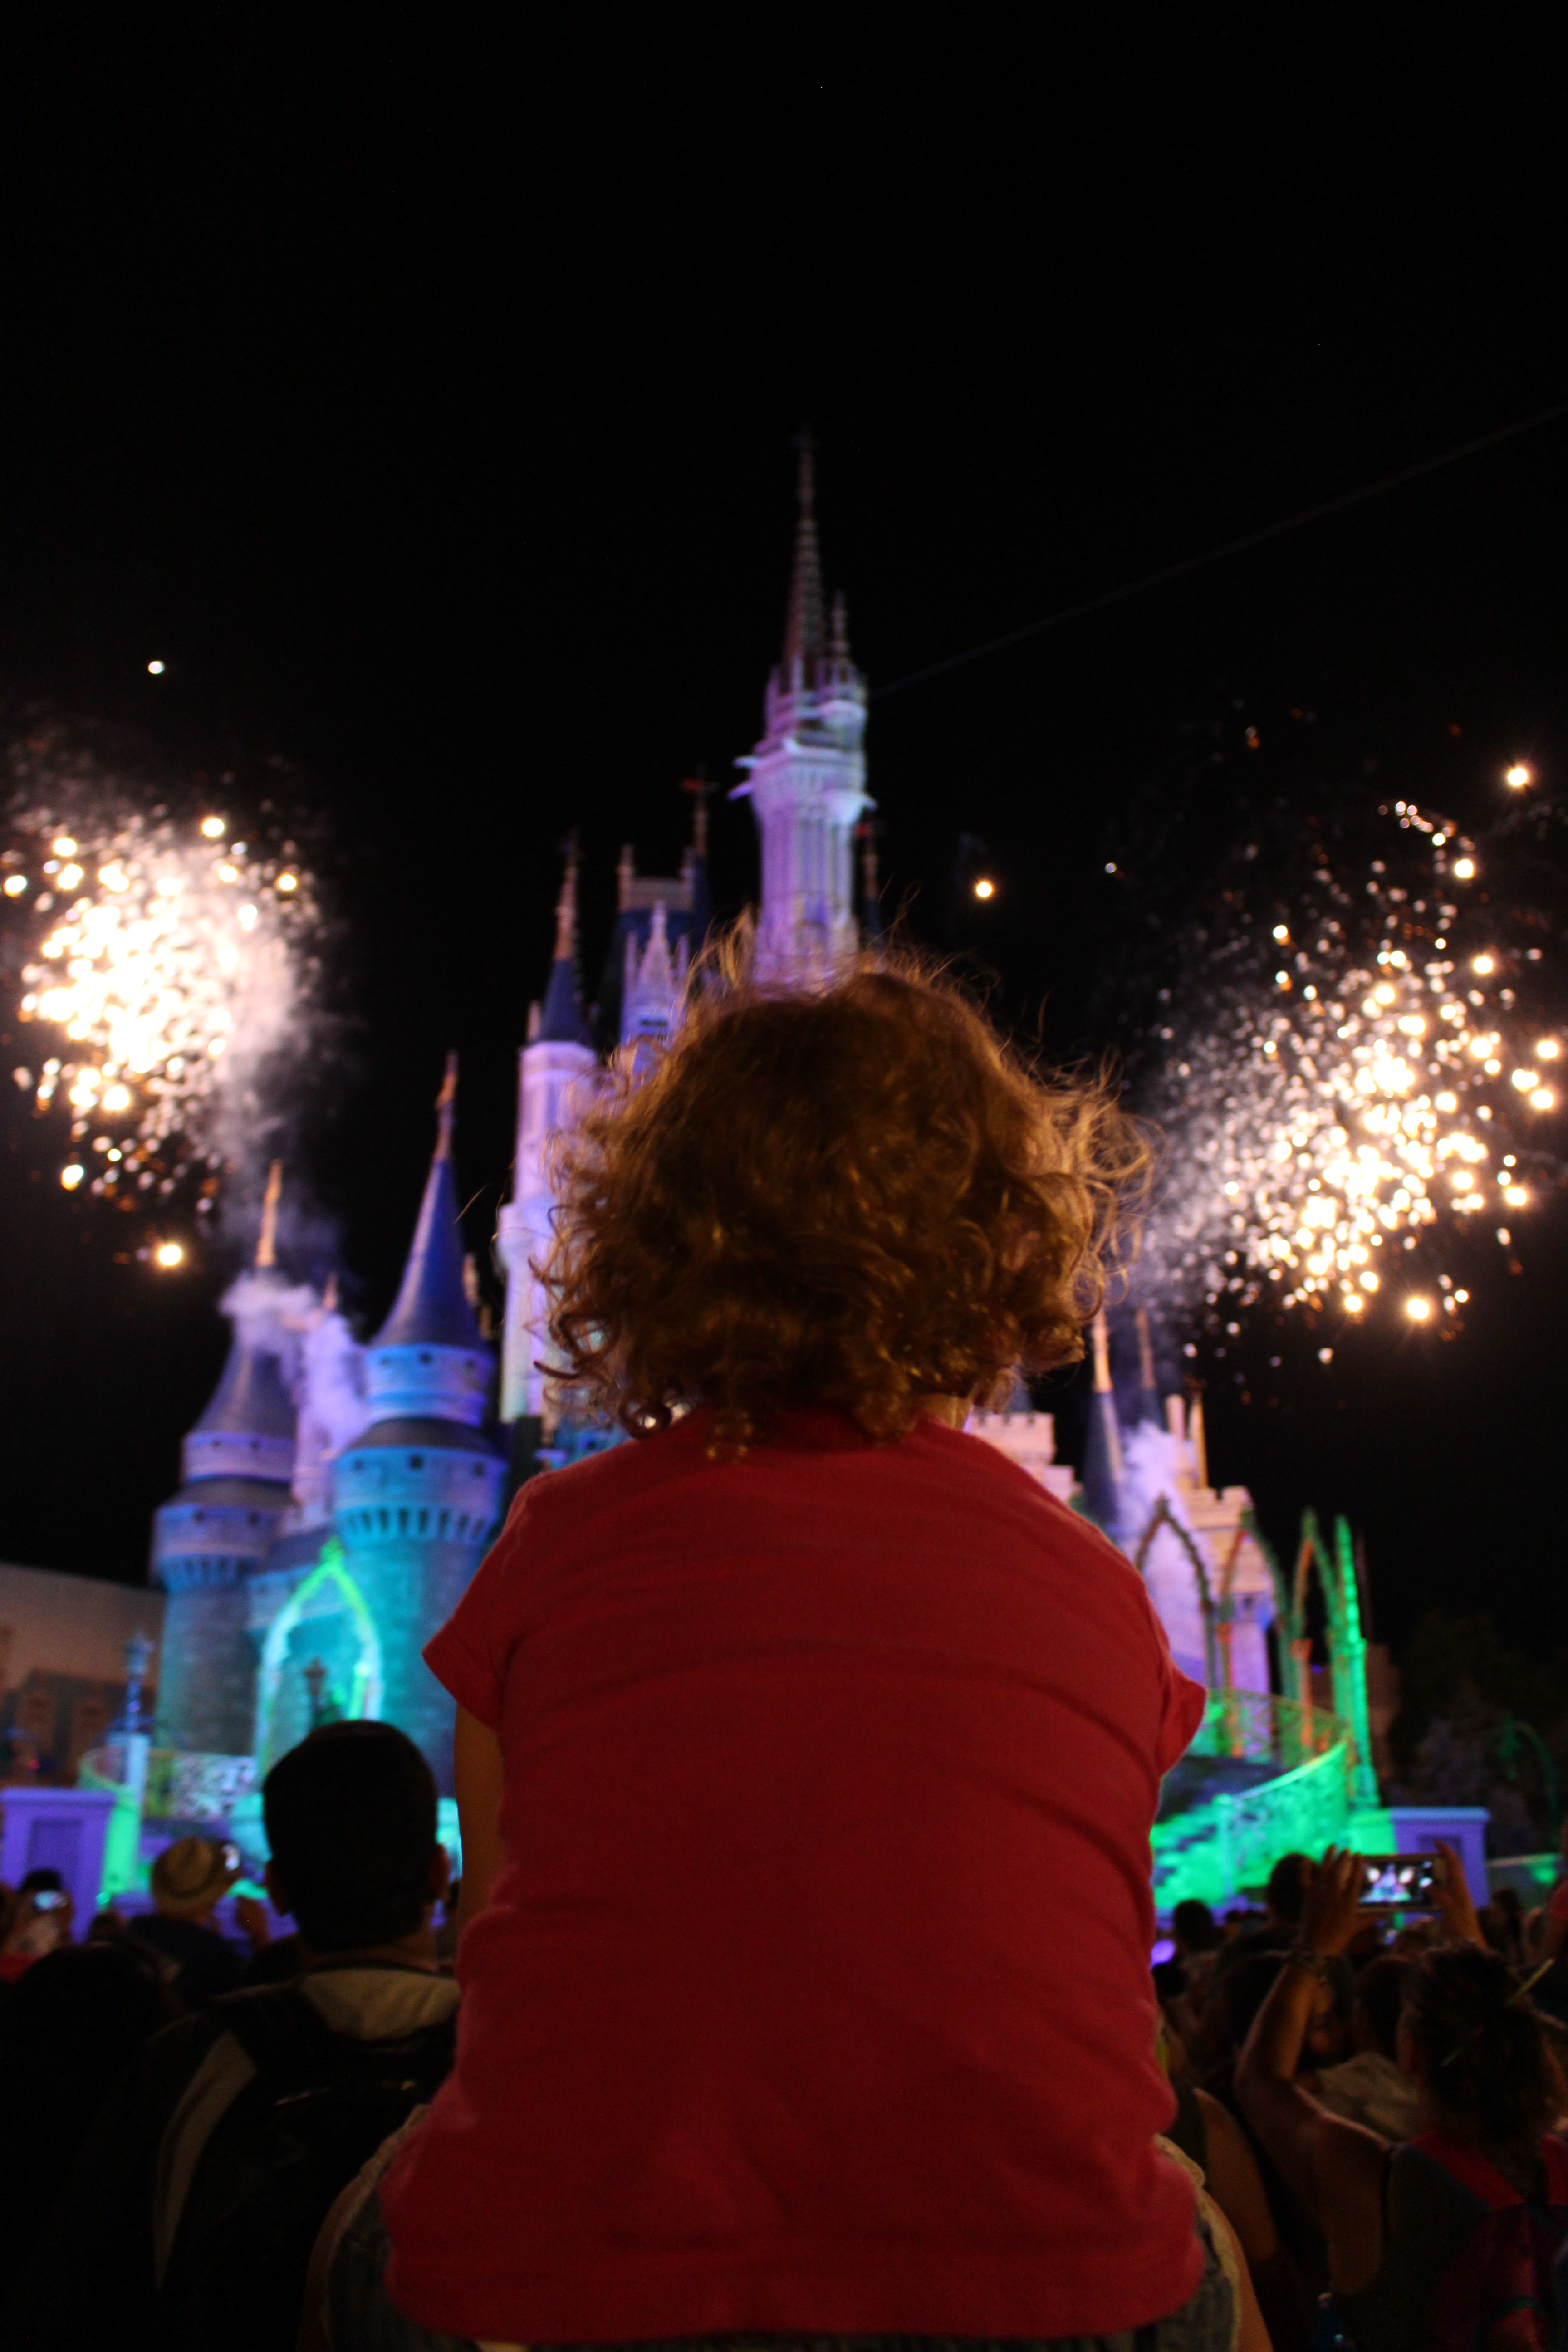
(49, 1898)
(1401, 1881)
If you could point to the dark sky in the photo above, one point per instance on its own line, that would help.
(423, 394)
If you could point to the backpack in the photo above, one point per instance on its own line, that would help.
(317, 2109)
(1498, 2293)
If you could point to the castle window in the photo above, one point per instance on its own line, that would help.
(416, 1462)
(403, 1523)
(424, 1522)
(425, 1355)
(385, 1522)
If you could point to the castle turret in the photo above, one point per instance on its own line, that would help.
(653, 984)
(209, 1539)
(807, 783)
(556, 1065)
(417, 1497)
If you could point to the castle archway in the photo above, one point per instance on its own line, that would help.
(321, 1660)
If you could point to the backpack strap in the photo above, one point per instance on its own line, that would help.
(1470, 2169)
(283, 2034)
(1489, 2187)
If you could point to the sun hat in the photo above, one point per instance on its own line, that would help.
(190, 1875)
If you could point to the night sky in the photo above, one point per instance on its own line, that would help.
(423, 395)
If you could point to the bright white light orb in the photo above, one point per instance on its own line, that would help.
(983, 889)
(287, 881)
(1465, 869)
(71, 1177)
(168, 1254)
(214, 827)
(14, 884)
(1519, 775)
(1542, 1098)
(65, 847)
(1483, 963)
(1516, 1196)
(1418, 1309)
(1547, 1051)
(154, 668)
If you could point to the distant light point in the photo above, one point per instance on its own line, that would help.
(1418, 1309)
(154, 668)
(1519, 775)
(214, 827)
(169, 1254)
(983, 889)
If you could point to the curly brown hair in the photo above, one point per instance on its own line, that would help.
(858, 1197)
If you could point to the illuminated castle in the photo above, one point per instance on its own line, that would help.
(337, 1497)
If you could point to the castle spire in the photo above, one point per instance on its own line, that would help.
(267, 1241)
(432, 1308)
(1103, 1449)
(446, 1109)
(802, 621)
(1148, 1386)
(561, 1020)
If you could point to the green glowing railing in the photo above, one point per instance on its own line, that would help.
(1231, 1840)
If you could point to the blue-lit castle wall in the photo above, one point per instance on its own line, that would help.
(299, 1589)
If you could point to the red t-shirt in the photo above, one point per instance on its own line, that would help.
(814, 1993)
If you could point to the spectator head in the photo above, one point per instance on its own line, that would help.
(1477, 2047)
(1379, 1995)
(192, 1877)
(351, 1820)
(1195, 1928)
(1287, 1890)
(73, 2024)
(856, 1197)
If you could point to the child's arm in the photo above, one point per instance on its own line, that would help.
(477, 1770)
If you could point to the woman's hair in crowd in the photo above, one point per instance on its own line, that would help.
(855, 1196)
(1485, 2057)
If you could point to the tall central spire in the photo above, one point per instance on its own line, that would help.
(807, 776)
(802, 621)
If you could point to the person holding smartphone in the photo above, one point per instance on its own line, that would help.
(41, 1923)
(189, 1880)
(1464, 2219)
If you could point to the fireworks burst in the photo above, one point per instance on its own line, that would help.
(1367, 1075)
(160, 964)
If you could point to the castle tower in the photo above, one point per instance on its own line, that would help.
(807, 782)
(210, 1537)
(557, 1063)
(417, 1497)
